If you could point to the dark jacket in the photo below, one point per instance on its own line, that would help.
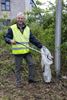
(32, 39)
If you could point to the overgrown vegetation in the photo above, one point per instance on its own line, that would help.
(42, 24)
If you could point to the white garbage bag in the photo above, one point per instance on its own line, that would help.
(46, 61)
(47, 74)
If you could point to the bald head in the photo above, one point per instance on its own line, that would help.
(20, 18)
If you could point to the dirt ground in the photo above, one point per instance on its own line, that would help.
(56, 90)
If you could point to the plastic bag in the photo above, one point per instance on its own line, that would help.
(47, 74)
(46, 61)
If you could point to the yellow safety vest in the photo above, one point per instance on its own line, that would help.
(21, 38)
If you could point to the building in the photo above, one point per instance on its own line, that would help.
(9, 8)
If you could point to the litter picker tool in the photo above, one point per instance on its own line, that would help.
(46, 61)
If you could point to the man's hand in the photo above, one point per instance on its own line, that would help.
(13, 42)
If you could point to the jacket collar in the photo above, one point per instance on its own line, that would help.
(22, 26)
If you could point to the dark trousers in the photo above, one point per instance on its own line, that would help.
(31, 66)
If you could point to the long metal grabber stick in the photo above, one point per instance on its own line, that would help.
(32, 49)
(29, 47)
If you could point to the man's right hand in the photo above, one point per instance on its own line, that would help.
(13, 42)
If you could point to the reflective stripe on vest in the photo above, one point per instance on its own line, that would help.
(21, 38)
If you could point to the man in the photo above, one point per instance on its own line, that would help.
(21, 33)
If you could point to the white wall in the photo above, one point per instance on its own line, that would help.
(15, 7)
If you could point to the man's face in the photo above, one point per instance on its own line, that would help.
(20, 19)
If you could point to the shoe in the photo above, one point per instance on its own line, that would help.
(19, 85)
(32, 81)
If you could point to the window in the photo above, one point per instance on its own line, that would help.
(5, 5)
(32, 3)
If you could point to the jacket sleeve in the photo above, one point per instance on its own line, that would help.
(8, 36)
(35, 41)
